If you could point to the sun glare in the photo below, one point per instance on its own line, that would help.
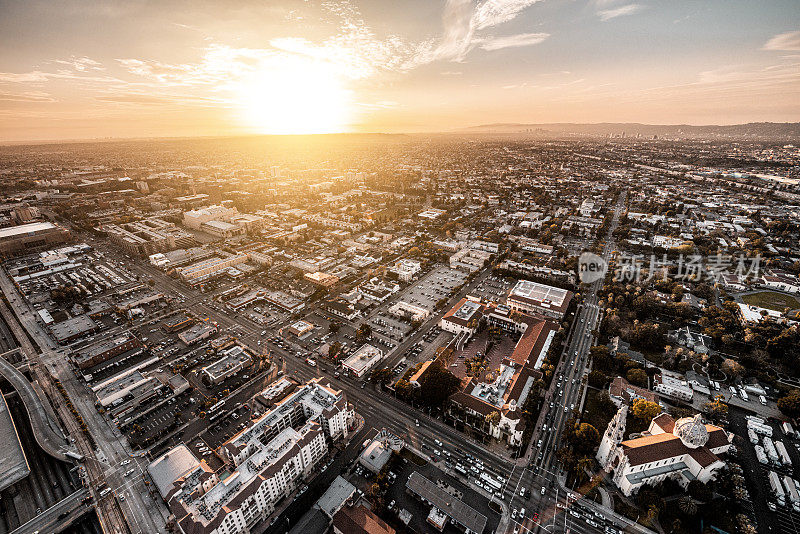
(300, 97)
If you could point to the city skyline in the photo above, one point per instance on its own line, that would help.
(82, 71)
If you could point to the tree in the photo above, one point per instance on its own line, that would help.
(645, 410)
(493, 418)
(381, 376)
(437, 384)
(716, 408)
(334, 350)
(699, 491)
(404, 389)
(637, 377)
(790, 404)
(333, 327)
(687, 506)
(597, 379)
(363, 333)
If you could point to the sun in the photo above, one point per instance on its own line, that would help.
(294, 96)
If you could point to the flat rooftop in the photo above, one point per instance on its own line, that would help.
(539, 292)
(29, 228)
(456, 509)
(13, 463)
(362, 358)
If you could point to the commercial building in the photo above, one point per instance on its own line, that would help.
(233, 360)
(177, 322)
(683, 450)
(195, 218)
(406, 269)
(359, 520)
(73, 328)
(31, 237)
(209, 268)
(265, 463)
(322, 279)
(469, 259)
(445, 506)
(517, 373)
(105, 350)
(148, 236)
(379, 451)
(221, 228)
(362, 360)
(198, 333)
(533, 297)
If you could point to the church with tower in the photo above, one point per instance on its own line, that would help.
(686, 450)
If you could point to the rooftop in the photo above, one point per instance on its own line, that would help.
(13, 463)
(29, 228)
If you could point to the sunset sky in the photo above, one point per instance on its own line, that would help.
(82, 70)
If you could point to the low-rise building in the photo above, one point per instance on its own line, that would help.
(362, 360)
(105, 350)
(533, 297)
(31, 237)
(198, 332)
(672, 387)
(233, 360)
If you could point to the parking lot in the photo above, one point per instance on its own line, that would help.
(433, 287)
(771, 515)
(492, 289)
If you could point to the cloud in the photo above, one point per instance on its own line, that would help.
(494, 12)
(462, 23)
(134, 99)
(513, 41)
(621, 11)
(789, 41)
(26, 96)
(80, 64)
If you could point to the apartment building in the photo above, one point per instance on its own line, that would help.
(266, 462)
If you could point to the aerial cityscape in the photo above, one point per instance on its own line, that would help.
(496, 266)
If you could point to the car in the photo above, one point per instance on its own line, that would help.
(416, 422)
(439, 443)
(124, 462)
(129, 472)
(522, 492)
(543, 490)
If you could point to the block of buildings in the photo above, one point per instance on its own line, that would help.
(265, 463)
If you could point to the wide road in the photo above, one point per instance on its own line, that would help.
(543, 475)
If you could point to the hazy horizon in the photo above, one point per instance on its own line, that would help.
(83, 71)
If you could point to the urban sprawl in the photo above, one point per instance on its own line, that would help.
(380, 334)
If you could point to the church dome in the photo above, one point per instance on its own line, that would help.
(691, 431)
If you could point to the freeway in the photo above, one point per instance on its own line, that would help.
(111, 449)
(50, 519)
